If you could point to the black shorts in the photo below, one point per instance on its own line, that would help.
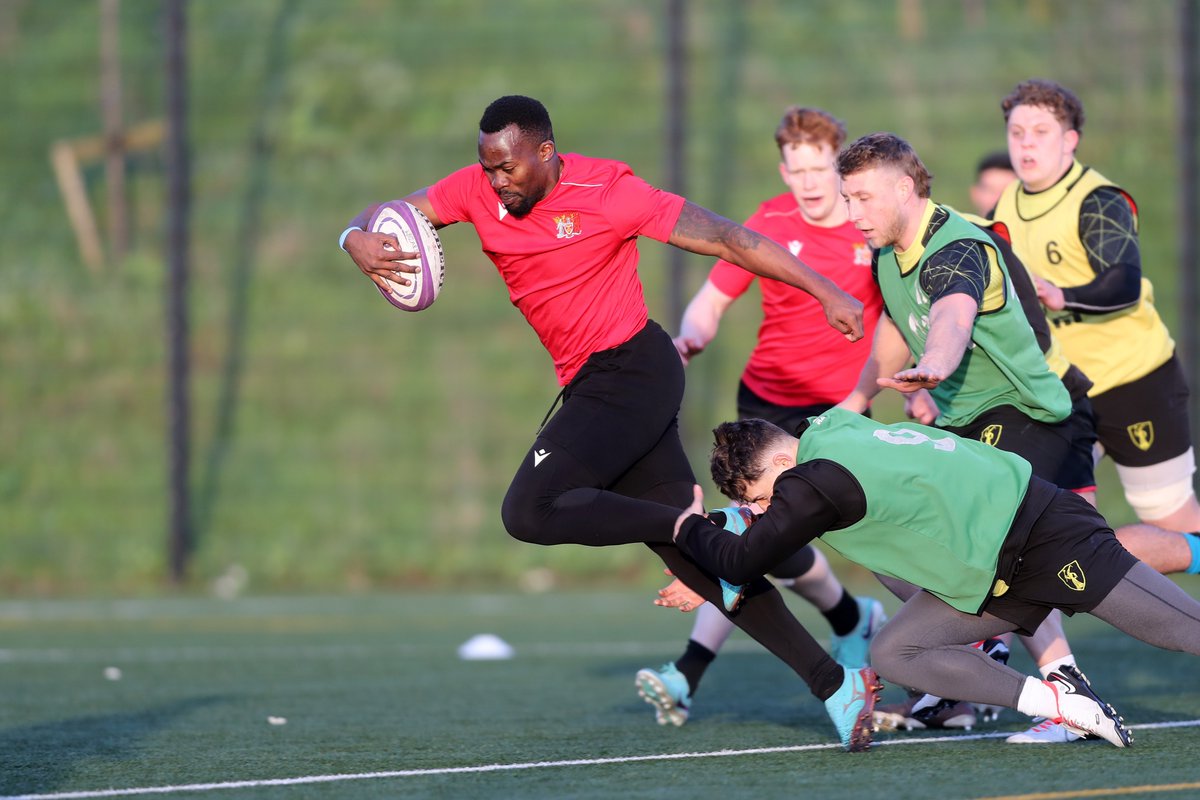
(1145, 422)
(1078, 470)
(790, 418)
(1070, 561)
(1045, 446)
(619, 415)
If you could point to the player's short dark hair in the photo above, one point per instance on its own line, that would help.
(885, 149)
(737, 454)
(529, 115)
(997, 159)
(1060, 101)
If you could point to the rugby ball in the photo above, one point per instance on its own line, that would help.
(415, 234)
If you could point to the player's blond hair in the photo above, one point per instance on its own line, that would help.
(802, 125)
(885, 150)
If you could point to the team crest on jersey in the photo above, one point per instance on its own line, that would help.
(1142, 434)
(1072, 575)
(991, 435)
(862, 255)
(794, 247)
(567, 225)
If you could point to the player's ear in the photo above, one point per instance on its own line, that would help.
(1071, 140)
(546, 150)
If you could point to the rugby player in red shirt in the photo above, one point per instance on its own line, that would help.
(609, 467)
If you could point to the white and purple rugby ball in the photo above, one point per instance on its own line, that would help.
(415, 233)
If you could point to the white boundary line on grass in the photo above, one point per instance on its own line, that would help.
(579, 762)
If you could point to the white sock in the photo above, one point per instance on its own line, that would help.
(1066, 661)
(1038, 699)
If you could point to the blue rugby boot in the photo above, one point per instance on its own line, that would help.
(853, 649)
(852, 708)
(735, 519)
(667, 690)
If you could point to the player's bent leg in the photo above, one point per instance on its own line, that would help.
(1185, 519)
(1164, 551)
(1049, 642)
(1162, 494)
(927, 646)
(711, 628)
(765, 617)
(1153, 609)
(557, 500)
(854, 620)
(809, 575)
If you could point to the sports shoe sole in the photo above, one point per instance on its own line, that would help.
(864, 723)
(651, 689)
(888, 721)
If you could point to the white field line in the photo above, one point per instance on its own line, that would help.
(185, 653)
(581, 762)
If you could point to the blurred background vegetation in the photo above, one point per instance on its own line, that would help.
(340, 444)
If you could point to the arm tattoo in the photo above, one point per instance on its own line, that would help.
(699, 223)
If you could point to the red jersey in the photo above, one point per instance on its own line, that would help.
(570, 264)
(799, 359)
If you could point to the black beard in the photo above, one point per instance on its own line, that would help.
(522, 208)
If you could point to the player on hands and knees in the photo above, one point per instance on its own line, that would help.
(993, 547)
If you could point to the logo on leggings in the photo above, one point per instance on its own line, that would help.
(991, 435)
(1072, 575)
(1142, 434)
(539, 456)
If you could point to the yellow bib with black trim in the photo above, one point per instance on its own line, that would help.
(1114, 348)
(1055, 358)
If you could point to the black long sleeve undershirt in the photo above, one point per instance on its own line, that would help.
(809, 499)
(1109, 234)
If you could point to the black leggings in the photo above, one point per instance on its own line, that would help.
(610, 469)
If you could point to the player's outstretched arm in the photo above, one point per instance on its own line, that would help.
(378, 255)
(700, 320)
(951, 319)
(889, 355)
(699, 230)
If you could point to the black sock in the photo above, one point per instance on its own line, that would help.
(694, 662)
(843, 616)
